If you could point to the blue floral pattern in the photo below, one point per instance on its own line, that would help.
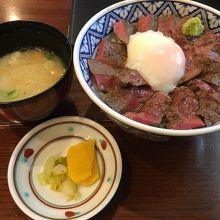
(99, 25)
(214, 21)
(131, 12)
(123, 12)
(185, 10)
(152, 7)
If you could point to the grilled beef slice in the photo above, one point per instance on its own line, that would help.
(137, 98)
(116, 99)
(203, 56)
(207, 54)
(153, 110)
(182, 111)
(129, 77)
(105, 83)
(145, 23)
(193, 66)
(177, 35)
(106, 76)
(129, 99)
(103, 74)
(114, 54)
(165, 25)
(200, 60)
(124, 30)
(99, 68)
(213, 79)
(209, 101)
(208, 37)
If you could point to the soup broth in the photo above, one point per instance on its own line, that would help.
(28, 72)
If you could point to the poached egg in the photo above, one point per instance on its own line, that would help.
(158, 59)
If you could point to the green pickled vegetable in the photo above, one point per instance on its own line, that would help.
(55, 175)
(193, 27)
(61, 160)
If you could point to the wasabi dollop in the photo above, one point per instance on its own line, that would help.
(193, 27)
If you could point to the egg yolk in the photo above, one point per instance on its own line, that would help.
(158, 59)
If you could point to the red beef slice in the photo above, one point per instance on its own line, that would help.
(114, 54)
(139, 96)
(145, 23)
(193, 66)
(132, 99)
(203, 56)
(207, 38)
(182, 111)
(116, 99)
(108, 77)
(209, 101)
(213, 79)
(208, 54)
(165, 25)
(99, 68)
(131, 77)
(124, 30)
(103, 75)
(104, 82)
(153, 110)
(176, 31)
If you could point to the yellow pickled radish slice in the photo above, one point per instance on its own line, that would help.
(80, 160)
(95, 173)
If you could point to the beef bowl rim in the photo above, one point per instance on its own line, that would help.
(104, 106)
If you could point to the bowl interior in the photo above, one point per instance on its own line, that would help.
(101, 24)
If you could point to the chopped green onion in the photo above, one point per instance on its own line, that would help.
(49, 55)
(12, 94)
(8, 95)
(63, 64)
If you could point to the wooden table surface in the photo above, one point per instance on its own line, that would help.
(175, 180)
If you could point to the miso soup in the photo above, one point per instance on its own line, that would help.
(27, 72)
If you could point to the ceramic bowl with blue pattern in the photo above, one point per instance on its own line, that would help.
(101, 24)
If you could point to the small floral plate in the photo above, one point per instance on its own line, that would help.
(54, 137)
